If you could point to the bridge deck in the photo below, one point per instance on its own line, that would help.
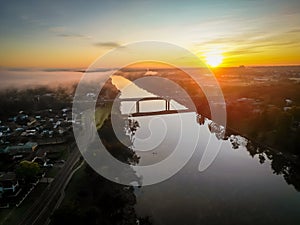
(155, 113)
(134, 99)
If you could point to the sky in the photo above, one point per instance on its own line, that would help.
(73, 34)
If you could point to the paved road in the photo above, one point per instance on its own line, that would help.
(42, 208)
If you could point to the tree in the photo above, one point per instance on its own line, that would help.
(28, 171)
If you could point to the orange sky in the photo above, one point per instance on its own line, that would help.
(73, 35)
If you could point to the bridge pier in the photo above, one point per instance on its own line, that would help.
(167, 105)
(137, 106)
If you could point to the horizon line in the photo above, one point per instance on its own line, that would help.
(104, 69)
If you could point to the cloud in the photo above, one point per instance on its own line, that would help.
(251, 43)
(39, 69)
(63, 32)
(294, 31)
(109, 44)
(61, 69)
(70, 35)
(16, 69)
(57, 29)
(150, 72)
(243, 51)
(58, 69)
(34, 78)
(253, 48)
(95, 70)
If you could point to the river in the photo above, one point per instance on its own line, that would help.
(239, 187)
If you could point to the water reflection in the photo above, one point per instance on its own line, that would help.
(283, 164)
(235, 189)
(131, 126)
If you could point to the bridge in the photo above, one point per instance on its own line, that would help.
(166, 110)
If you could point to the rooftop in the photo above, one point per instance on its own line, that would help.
(27, 147)
(7, 176)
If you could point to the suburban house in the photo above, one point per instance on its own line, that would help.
(40, 160)
(26, 148)
(9, 185)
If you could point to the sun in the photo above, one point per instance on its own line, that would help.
(214, 58)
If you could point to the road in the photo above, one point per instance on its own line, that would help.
(42, 208)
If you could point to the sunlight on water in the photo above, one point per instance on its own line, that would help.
(131, 90)
(235, 186)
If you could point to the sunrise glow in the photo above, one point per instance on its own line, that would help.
(214, 58)
(65, 39)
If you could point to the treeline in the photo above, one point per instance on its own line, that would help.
(92, 199)
(98, 201)
(266, 118)
(274, 121)
(178, 86)
(14, 100)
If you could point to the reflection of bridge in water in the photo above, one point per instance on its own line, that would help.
(167, 109)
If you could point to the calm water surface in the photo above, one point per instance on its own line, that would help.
(236, 189)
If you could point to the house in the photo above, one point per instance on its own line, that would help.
(29, 132)
(9, 184)
(22, 119)
(288, 102)
(65, 110)
(4, 129)
(31, 121)
(38, 117)
(40, 160)
(26, 148)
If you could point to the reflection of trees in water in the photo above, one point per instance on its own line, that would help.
(284, 164)
(218, 130)
(119, 147)
(131, 127)
(200, 119)
(237, 141)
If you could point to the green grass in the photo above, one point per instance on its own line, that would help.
(79, 179)
(101, 114)
(76, 183)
